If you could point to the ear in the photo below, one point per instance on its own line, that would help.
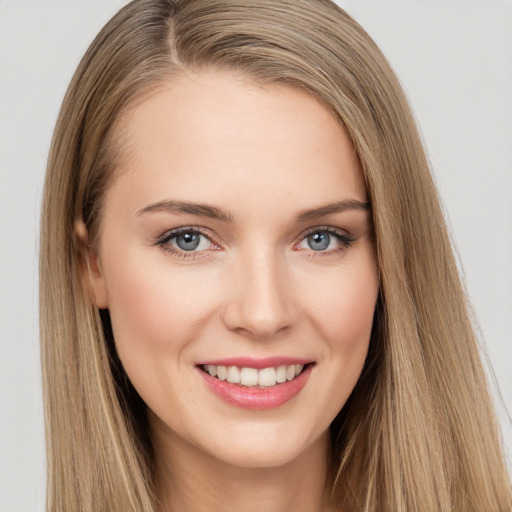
(92, 276)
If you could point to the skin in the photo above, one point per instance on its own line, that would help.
(254, 287)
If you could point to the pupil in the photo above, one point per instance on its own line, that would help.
(188, 241)
(319, 241)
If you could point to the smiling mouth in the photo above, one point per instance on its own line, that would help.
(252, 377)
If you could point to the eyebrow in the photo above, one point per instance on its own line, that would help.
(332, 208)
(205, 210)
(202, 210)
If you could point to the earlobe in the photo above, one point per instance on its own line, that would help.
(92, 276)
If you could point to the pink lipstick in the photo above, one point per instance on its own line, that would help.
(256, 384)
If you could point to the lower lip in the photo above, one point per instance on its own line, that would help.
(257, 398)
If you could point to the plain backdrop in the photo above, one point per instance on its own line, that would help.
(454, 58)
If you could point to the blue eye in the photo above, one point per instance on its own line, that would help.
(185, 240)
(188, 241)
(326, 240)
(319, 241)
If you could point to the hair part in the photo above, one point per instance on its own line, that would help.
(418, 432)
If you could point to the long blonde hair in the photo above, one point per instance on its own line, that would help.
(419, 431)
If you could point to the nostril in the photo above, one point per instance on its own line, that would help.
(261, 332)
(259, 304)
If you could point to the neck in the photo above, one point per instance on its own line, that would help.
(189, 479)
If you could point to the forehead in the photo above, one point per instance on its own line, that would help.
(214, 136)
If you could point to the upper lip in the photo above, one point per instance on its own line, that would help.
(257, 363)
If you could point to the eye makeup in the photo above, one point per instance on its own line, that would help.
(187, 242)
(195, 241)
(320, 239)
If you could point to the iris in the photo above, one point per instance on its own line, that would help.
(319, 241)
(188, 241)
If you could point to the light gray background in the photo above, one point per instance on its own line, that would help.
(454, 58)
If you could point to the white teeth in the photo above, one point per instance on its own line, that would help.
(281, 374)
(266, 377)
(233, 375)
(249, 377)
(222, 372)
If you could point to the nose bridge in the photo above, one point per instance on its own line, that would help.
(260, 304)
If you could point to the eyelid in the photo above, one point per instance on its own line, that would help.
(164, 239)
(323, 229)
(167, 235)
(326, 229)
(343, 236)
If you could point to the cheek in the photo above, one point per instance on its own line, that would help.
(155, 307)
(340, 304)
(343, 308)
(156, 310)
(342, 311)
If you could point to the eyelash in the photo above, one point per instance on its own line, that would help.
(343, 237)
(163, 241)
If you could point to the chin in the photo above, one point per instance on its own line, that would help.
(265, 448)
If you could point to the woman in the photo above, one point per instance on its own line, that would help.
(246, 282)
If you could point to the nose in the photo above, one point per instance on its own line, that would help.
(260, 304)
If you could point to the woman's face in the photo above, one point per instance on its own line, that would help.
(236, 240)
